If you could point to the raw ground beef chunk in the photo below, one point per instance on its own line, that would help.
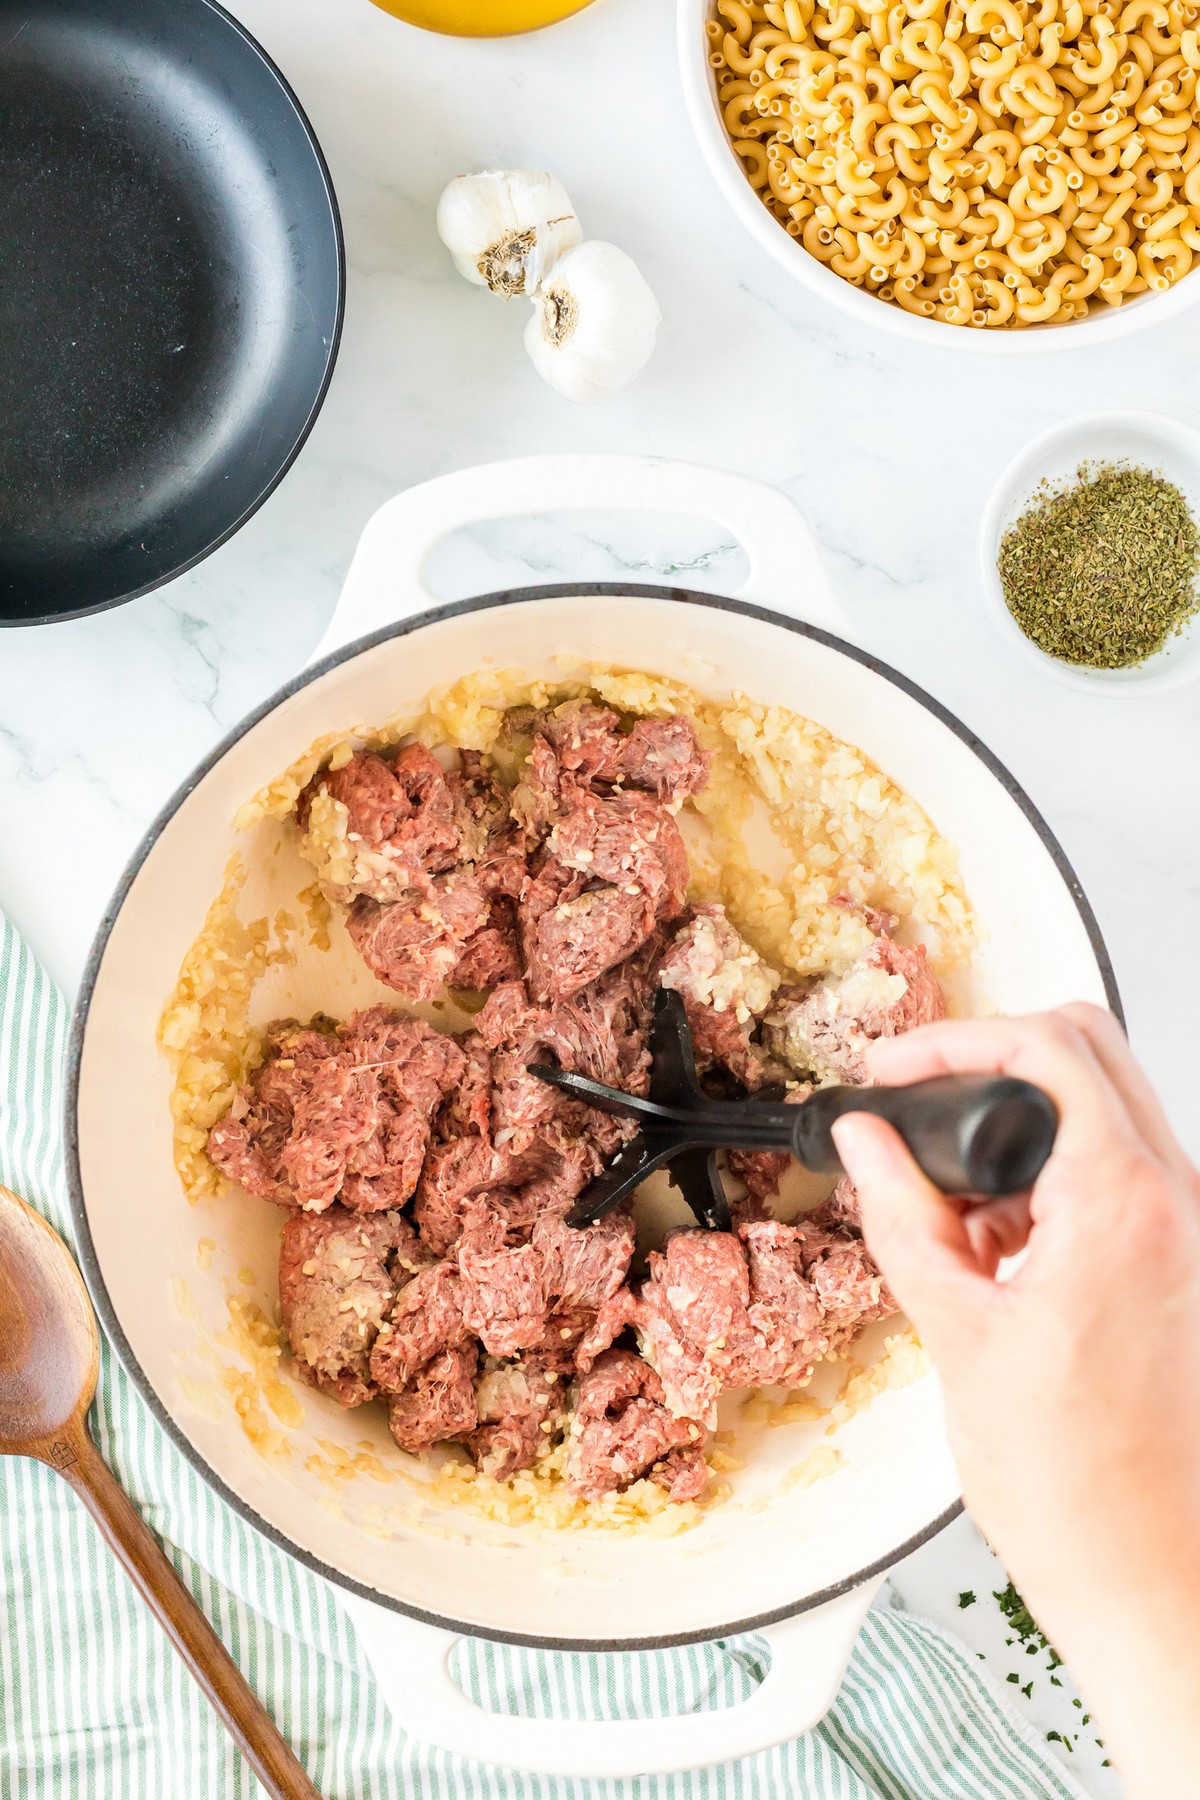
(612, 863)
(415, 944)
(504, 1299)
(586, 742)
(711, 1318)
(621, 1431)
(444, 914)
(726, 988)
(338, 1275)
(438, 1403)
(841, 1212)
(519, 1404)
(582, 1269)
(378, 827)
(426, 1318)
(849, 1286)
(341, 1115)
(612, 870)
(477, 1315)
(755, 1309)
(826, 1029)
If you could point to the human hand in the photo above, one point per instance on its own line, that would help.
(1072, 1388)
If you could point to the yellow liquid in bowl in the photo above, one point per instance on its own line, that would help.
(482, 18)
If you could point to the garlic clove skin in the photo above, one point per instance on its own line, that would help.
(594, 322)
(505, 228)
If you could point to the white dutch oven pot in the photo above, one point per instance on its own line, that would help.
(802, 1564)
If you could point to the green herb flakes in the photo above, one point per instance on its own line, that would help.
(966, 1598)
(1101, 572)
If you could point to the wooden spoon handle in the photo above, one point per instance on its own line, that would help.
(248, 1722)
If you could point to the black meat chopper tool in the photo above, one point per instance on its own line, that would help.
(975, 1135)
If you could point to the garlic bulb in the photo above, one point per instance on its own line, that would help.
(594, 322)
(505, 227)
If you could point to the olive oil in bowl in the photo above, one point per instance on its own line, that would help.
(482, 18)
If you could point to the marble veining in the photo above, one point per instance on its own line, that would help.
(890, 449)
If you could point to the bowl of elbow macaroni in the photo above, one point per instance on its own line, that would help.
(980, 171)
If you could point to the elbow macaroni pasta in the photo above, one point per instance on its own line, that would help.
(993, 163)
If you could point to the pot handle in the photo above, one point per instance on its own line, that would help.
(809, 1654)
(385, 582)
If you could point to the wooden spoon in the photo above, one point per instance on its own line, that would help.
(49, 1360)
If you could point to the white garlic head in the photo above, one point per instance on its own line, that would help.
(594, 322)
(505, 228)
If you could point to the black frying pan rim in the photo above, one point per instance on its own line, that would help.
(86, 1250)
(335, 338)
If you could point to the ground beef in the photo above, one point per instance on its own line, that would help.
(786, 1309)
(726, 987)
(415, 944)
(617, 1315)
(400, 812)
(601, 1032)
(339, 1115)
(851, 1291)
(583, 1269)
(662, 755)
(566, 1164)
(761, 1170)
(628, 839)
(725, 1311)
(467, 1107)
(573, 943)
(842, 1211)
(614, 866)
(338, 1276)
(561, 902)
(504, 1300)
(566, 1329)
(455, 1172)
(438, 1403)
(825, 1029)
(519, 1406)
(479, 807)
(426, 1318)
(491, 955)
(534, 799)
(622, 1431)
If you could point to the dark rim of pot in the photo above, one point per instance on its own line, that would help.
(89, 1260)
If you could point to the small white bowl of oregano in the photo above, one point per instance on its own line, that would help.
(1090, 552)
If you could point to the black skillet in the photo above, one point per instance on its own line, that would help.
(171, 288)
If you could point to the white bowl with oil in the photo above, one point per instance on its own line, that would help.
(1147, 440)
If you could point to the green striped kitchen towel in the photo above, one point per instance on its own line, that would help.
(95, 1706)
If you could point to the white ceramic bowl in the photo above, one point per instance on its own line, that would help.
(1099, 327)
(1150, 439)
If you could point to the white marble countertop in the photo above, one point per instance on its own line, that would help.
(891, 452)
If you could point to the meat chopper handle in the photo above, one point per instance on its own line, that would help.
(980, 1135)
(386, 581)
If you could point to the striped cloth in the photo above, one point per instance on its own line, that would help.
(95, 1706)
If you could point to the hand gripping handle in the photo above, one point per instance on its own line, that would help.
(980, 1135)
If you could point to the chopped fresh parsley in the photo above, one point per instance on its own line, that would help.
(966, 1598)
(1025, 1627)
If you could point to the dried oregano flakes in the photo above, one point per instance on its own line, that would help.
(1101, 571)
